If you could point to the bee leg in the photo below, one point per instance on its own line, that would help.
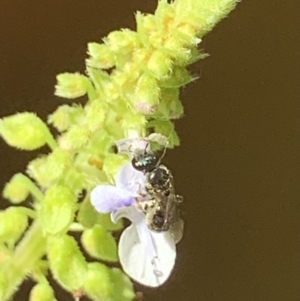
(178, 199)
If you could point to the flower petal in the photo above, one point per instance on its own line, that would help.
(131, 179)
(108, 198)
(131, 213)
(147, 257)
(131, 145)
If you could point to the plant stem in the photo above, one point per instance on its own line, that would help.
(31, 248)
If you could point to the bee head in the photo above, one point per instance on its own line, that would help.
(145, 162)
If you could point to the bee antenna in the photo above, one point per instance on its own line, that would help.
(165, 149)
(145, 150)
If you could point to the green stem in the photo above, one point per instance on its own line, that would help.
(29, 251)
(52, 143)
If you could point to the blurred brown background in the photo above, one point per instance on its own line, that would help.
(238, 164)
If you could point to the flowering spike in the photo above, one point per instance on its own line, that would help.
(136, 96)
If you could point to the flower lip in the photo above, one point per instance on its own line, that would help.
(109, 198)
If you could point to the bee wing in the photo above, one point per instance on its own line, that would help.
(176, 230)
(173, 217)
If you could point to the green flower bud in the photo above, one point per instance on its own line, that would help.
(66, 262)
(42, 292)
(170, 106)
(178, 78)
(25, 131)
(103, 283)
(75, 138)
(160, 64)
(65, 116)
(47, 169)
(133, 121)
(102, 141)
(165, 12)
(75, 180)
(123, 287)
(95, 114)
(16, 190)
(122, 42)
(100, 244)
(13, 224)
(100, 79)
(146, 25)
(71, 85)
(57, 161)
(37, 169)
(57, 209)
(98, 284)
(101, 56)
(146, 92)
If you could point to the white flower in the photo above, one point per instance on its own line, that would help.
(146, 256)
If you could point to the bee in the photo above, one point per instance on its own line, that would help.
(162, 210)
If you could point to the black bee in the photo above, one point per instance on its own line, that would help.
(159, 177)
(162, 210)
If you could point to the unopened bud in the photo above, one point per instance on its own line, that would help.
(24, 131)
(99, 243)
(57, 209)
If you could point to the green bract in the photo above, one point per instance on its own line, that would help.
(99, 243)
(13, 222)
(103, 283)
(67, 263)
(25, 131)
(42, 292)
(57, 209)
(16, 190)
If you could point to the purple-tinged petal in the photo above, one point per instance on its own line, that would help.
(131, 179)
(108, 198)
(146, 256)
